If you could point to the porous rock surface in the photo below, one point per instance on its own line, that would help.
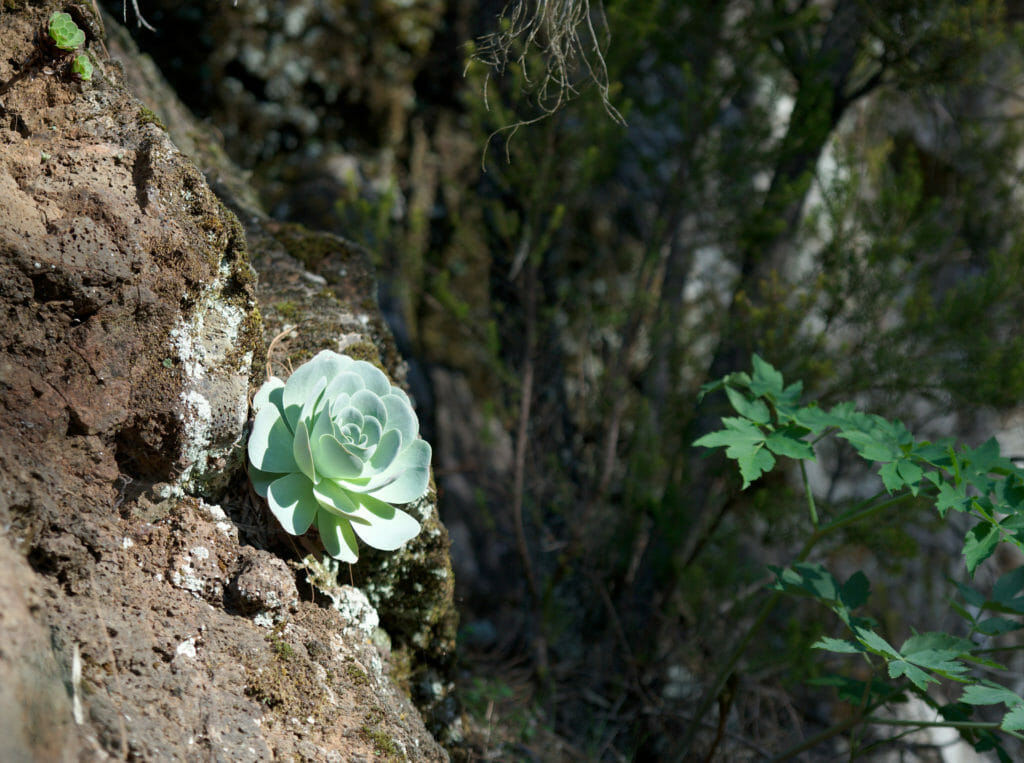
(137, 619)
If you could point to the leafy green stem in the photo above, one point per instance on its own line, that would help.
(859, 718)
(810, 495)
(982, 725)
(857, 514)
(906, 470)
(997, 649)
(818, 738)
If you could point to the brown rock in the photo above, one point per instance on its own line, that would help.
(129, 332)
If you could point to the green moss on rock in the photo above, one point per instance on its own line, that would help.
(287, 309)
(285, 681)
(147, 116)
(366, 351)
(383, 745)
(357, 675)
(310, 248)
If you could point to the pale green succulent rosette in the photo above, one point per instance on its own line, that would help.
(337, 445)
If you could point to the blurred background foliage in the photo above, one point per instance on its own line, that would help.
(833, 185)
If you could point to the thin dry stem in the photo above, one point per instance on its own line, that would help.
(138, 15)
(564, 33)
(273, 344)
(522, 441)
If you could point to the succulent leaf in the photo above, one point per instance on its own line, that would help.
(65, 33)
(291, 499)
(302, 451)
(270, 442)
(412, 468)
(334, 498)
(373, 378)
(261, 480)
(347, 383)
(269, 394)
(401, 416)
(387, 449)
(368, 403)
(82, 67)
(385, 532)
(337, 536)
(334, 461)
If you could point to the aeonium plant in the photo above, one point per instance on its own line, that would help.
(65, 33)
(337, 444)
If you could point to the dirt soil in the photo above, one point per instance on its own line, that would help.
(137, 621)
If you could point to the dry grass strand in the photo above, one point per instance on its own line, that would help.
(569, 36)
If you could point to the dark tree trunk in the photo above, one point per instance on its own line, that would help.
(766, 245)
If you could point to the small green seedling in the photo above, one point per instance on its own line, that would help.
(58, 46)
(65, 33)
(81, 67)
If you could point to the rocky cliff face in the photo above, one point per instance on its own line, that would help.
(149, 608)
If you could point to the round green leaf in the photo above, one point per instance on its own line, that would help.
(348, 415)
(382, 526)
(411, 470)
(333, 461)
(269, 393)
(346, 384)
(369, 404)
(82, 67)
(373, 378)
(261, 480)
(337, 536)
(303, 386)
(372, 430)
(401, 416)
(313, 404)
(292, 501)
(387, 449)
(270, 444)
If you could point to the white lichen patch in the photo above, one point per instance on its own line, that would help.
(422, 508)
(355, 608)
(213, 512)
(357, 611)
(186, 648)
(216, 514)
(198, 568)
(185, 577)
(214, 403)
